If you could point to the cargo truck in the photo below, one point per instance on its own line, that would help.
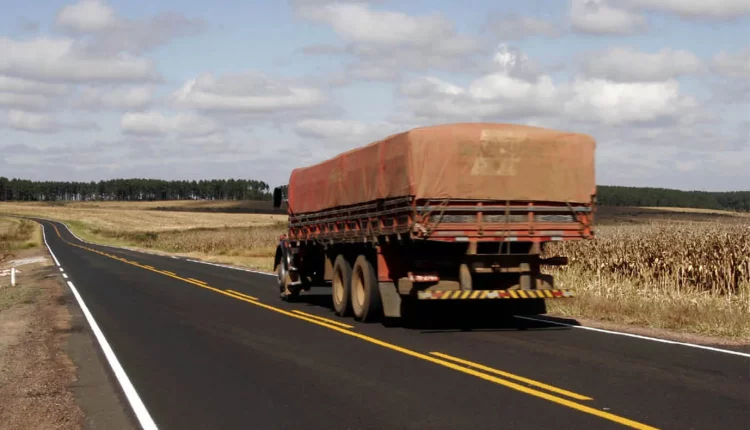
(450, 212)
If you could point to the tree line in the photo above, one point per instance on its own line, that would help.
(134, 189)
(663, 197)
(244, 189)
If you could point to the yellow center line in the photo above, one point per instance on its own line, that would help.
(409, 352)
(330, 321)
(198, 280)
(513, 376)
(237, 293)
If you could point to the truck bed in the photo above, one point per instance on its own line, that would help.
(447, 221)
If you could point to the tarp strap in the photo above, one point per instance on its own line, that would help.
(432, 226)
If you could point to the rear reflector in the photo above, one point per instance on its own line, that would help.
(423, 278)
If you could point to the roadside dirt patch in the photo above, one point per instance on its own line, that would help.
(35, 373)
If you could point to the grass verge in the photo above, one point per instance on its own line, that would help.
(622, 301)
(35, 373)
(10, 296)
(18, 234)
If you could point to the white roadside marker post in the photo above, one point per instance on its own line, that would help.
(13, 277)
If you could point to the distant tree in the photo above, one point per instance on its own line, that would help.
(142, 189)
(137, 189)
(634, 196)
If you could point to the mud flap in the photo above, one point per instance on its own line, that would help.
(391, 300)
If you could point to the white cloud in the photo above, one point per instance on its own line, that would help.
(31, 122)
(499, 86)
(50, 59)
(249, 93)
(697, 8)
(145, 124)
(614, 103)
(586, 100)
(213, 139)
(387, 43)
(359, 23)
(498, 93)
(87, 16)
(512, 62)
(630, 65)
(601, 17)
(429, 85)
(488, 97)
(158, 124)
(25, 86)
(733, 65)
(513, 27)
(341, 129)
(113, 34)
(328, 137)
(94, 98)
(25, 101)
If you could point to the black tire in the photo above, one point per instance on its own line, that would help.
(365, 295)
(341, 286)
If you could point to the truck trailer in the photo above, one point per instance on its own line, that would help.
(450, 212)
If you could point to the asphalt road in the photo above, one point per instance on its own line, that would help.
(201, 356)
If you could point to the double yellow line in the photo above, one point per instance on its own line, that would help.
(464, 366)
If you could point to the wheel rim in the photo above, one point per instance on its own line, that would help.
(281, 274)
(338, 287)
(358, 289)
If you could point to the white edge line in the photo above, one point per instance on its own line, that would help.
(637, 336)
(44, 235)
(65, 276)
(144, 418)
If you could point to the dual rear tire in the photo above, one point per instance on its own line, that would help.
(355, 290)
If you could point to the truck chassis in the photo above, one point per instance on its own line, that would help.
(381, 254)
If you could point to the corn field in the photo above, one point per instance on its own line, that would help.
(679, 257)
(254, 240)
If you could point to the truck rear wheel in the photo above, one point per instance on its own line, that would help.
(366, 302)
(341, 286)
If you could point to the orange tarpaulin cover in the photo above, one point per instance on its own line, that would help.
(474, 161)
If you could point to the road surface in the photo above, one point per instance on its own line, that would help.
(201, 346)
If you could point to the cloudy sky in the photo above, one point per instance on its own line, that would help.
(100, 89)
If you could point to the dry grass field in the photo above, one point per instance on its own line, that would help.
(17, 234)
(683, 270)
(243, 239)
(688, 276)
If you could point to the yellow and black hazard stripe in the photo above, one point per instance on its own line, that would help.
(494, 294)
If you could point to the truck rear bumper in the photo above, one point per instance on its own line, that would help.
(494, 294)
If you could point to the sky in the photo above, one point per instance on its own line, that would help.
(97, 89)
